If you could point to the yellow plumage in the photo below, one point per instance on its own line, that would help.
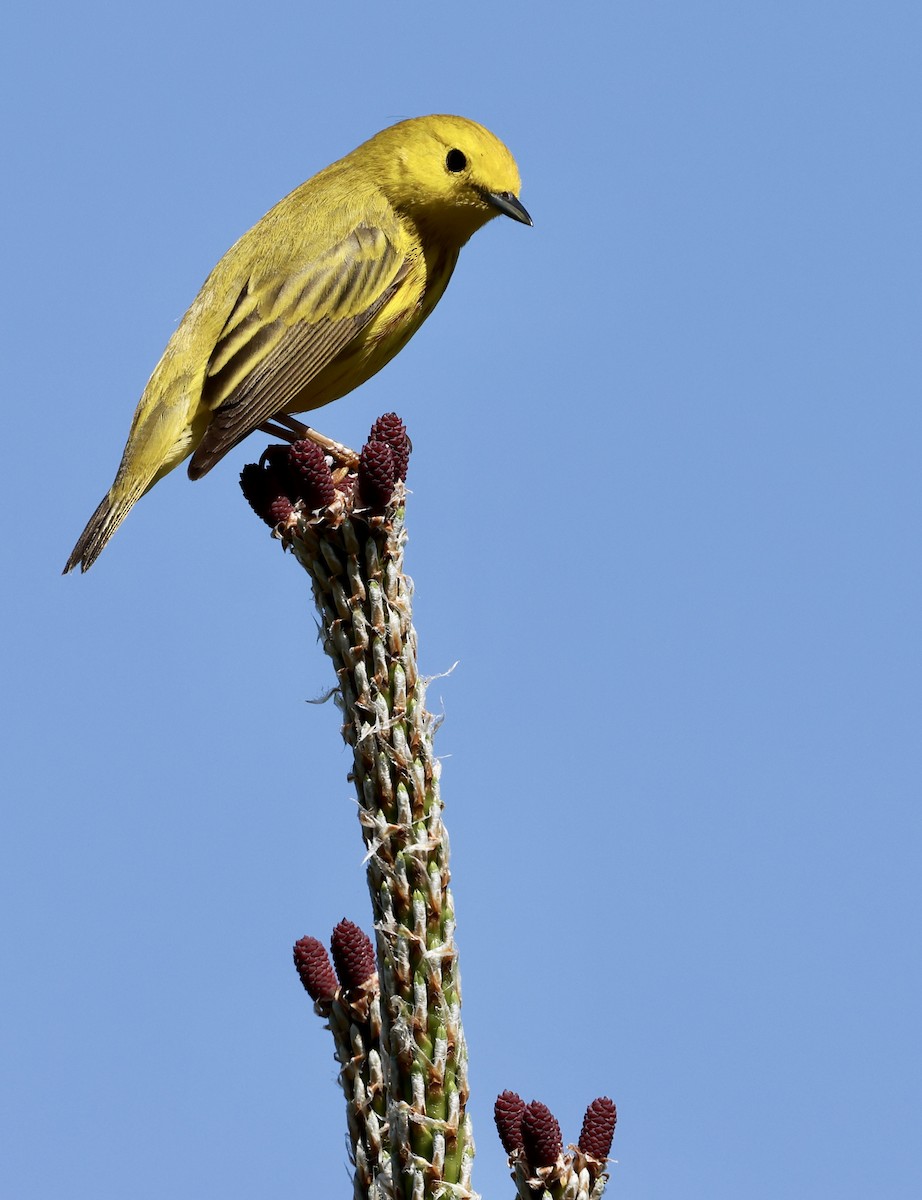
(313, 300)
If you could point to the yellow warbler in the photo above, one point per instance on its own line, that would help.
(313, 300)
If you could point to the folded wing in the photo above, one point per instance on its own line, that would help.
(280, 336)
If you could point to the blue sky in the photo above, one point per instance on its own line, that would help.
(665, 516)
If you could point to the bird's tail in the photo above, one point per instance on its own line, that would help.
(115, 506)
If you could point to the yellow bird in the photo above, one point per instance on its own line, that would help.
(313, 300)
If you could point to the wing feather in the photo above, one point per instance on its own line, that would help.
(280, 336)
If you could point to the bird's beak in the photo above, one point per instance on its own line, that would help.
(510, 205)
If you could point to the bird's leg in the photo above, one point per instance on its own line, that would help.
(290, 430)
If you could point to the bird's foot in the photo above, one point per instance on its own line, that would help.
(290, 430)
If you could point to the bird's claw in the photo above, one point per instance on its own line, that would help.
(291, 430)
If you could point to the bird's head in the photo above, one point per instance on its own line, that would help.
(447, 173)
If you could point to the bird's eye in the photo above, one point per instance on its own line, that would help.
(456, 161)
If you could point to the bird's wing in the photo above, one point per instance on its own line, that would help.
(283, 331)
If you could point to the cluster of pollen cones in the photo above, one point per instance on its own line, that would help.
(531, 1136)
(299, 478)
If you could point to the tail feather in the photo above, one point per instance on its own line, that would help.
(113, 509)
